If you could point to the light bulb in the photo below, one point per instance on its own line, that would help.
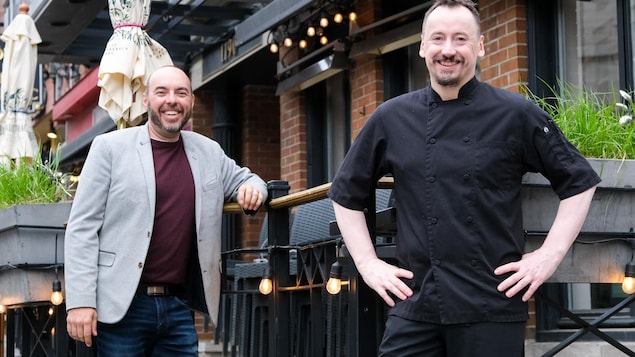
(338, 18)
(352, 16)
(51, 135)
(288, 42)
(302, 44)
(324, 40)
(334, 286)
(324, 22)
(266, 285)
(628, 285)
(57, 297)
(2, 309)
(273, 48)
(51, 311)
(310, 31)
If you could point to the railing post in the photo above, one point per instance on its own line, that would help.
(365, 313)
(278, 235)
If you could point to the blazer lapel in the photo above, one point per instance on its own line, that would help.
(192, 157)
(144, 152)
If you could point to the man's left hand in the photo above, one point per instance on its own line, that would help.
(530, 272)
(249, 198)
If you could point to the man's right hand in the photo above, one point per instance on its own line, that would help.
(81, 324)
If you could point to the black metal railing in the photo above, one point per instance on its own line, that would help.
(299, 317)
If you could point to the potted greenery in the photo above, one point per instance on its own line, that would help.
(34, 208)
(600, 126)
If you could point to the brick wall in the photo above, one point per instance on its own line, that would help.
(202, 115)
(367, 74)
(504, 25)
(367, 83)
(293, 149)
(260, 141)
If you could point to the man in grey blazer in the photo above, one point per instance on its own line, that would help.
(142, 246)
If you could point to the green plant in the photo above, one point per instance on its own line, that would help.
(598, 124)
(32, 182)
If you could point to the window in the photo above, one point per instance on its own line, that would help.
(589, 44)
(328, 136)
(592, 49)
(404, 71)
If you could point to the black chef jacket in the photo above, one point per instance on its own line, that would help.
(457, 167)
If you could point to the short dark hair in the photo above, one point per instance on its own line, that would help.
(468, 4)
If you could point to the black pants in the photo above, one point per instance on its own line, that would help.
(404, 338)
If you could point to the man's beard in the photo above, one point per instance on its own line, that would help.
(449, 78)
(448, 82)
(154, 116)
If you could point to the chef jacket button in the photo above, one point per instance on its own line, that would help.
(433, 220)
(466, 177)
(432, 140)
(433, 105)
(431, 179)
(469, 219)
(466, 139)
(140, 265)
(149, 234)
(436, 262)
(473, 262)
(467, 102)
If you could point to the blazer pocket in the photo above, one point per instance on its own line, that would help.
(106, 258)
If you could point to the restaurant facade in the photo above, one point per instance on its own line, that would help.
(286, 96)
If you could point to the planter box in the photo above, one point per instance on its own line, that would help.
(611, 215)
(31, 239)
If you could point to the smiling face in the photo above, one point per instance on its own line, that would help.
(451, 44)
(169, 101)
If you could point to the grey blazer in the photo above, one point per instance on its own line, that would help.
(112, 215)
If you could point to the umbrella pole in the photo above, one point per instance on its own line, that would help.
(121, 124)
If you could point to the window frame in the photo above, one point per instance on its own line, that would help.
(544, 61)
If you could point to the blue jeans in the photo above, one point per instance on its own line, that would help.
(153, 326)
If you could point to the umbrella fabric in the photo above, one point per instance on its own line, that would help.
(130, 56)
(16, 92)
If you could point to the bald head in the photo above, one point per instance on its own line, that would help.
(169, 101)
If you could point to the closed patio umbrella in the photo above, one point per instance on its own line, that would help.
(21, 38)
(130, 56)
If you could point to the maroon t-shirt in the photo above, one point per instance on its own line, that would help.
(174, 220)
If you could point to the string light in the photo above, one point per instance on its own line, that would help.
(334, 285)
(324, 21)
(290, 34)
(56, 296)
(628, 284)
(352, 16)
(310, 31)
(338, 17)
(266, 284)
